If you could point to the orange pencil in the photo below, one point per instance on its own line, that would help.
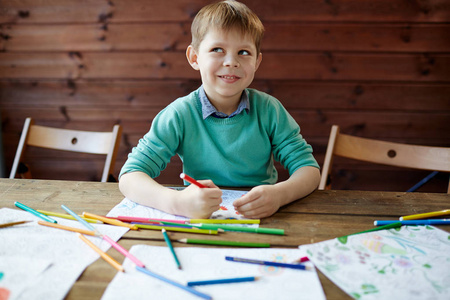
(105, 256)
(59, 226)
(110, 221)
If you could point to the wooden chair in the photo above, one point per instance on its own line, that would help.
(381, 152)
(106, 143)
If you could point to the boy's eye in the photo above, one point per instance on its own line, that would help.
(218, 50)
(244, 52)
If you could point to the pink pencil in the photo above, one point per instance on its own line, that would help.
(123, 251)
(192, 180)
(146, 220)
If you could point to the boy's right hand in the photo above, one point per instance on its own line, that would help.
(200, 203)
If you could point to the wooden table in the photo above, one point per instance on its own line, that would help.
(321, 216)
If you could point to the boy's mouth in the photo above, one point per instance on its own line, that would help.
(229, 77)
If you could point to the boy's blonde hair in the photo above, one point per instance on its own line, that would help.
(227, 15)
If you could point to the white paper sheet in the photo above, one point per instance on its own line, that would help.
(67, 253)
(208, 263)
(408, 263)
(19, 272)
(129, 208)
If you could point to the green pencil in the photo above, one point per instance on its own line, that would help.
(34, 212)
(242, 229)
(169, 244)
(178, 229)
(388, 226)
(225, 243)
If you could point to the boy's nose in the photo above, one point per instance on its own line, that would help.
(231, 61)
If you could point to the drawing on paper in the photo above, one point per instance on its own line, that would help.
(411, 262)
(129, 208)
(4, 292)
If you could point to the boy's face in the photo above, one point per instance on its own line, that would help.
(227, 61)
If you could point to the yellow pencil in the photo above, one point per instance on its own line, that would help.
(227, 221)
(110, 221)
(66, 216)
(105, 256)
(426, 215)
(59, 226)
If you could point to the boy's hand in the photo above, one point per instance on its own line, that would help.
(261, 201)
(200, 203)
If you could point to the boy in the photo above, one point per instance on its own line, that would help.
(223, 132)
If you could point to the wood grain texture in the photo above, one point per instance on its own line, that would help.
(376, 69)
(66, 11)
(321, 216)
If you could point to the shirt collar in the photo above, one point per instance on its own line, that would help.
(208, 109)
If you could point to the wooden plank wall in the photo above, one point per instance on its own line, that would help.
(379, 69)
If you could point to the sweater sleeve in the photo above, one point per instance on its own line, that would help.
(157, 147)
(288, 145)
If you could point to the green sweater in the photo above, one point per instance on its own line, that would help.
(234, 152)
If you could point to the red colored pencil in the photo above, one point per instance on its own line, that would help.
(192, 180)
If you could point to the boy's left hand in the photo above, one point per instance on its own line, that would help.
(261, 201)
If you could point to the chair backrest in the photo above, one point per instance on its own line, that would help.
(106, 143)
(381, 152)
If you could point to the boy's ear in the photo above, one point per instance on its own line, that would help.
(192, 56)
(258, 61)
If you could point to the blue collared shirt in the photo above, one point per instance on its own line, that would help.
(209, 110)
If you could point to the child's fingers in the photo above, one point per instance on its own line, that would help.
(247, 198)
(208, 183)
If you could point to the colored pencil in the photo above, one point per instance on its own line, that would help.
(105, 256)
(67, 216)
(145, 220)
(169, 244)
(267, 263)
(192, 221)
(179, 285)
(68, 228)
(228, 221)
(415, 222)
(168, 228)
(387, 226)
(81, 220)
(301, 259)
(105, 237)
(166, 224)
(426, 215)
(225, 243)
(192, 180)
(4, 225)
(243, 229)
(109, 221)
(34, 212)
(225, 280)
(123, 251)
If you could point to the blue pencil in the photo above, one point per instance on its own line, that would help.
(81, 220)
(267, 263)
(414, 222)
(184, 287)
(226, 280)
(35, 212)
